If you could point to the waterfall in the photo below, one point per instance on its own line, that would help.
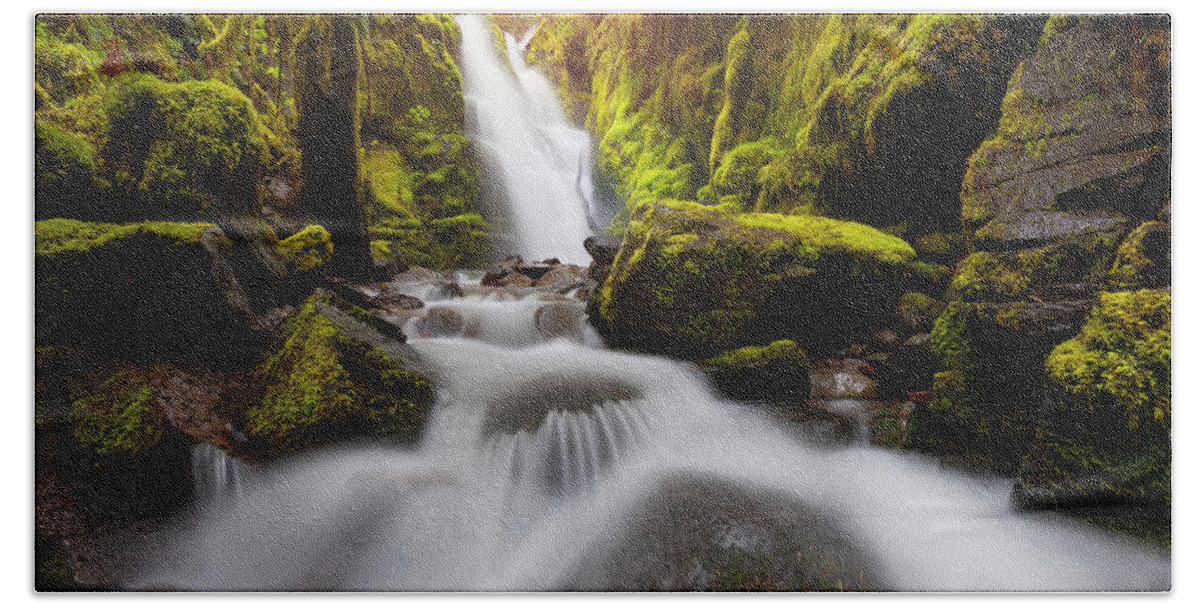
(217, 477)
(541, 162)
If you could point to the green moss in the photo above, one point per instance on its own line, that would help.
(779, 351)
(63, 70)
(119, 416)
(323, 385)
(308, 249)
(65, 171)
(835, 235)
(381, 250)
(183, 149)
(1123, 354)
(737, 89)
(57, 236)
(1132, 261)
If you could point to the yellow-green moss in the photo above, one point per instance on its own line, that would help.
(308, 249)
(323, 385)
(1132, 261)
(183, 148)
(1122, 353)
(785, 351)
(55, 236)
(118, 416)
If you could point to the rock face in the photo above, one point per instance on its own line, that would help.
(692, 281)
(887, 142)
(1105, 432)
(1086, 125)
(1069, 199)
(776, 373)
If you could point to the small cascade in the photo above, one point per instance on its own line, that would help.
(217, 477)
(571, 449)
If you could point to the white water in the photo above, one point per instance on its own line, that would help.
(216, 476)
(541, 161)
(556, 465)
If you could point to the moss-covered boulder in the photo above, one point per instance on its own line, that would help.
(143, 291)
(182, 150)
(693, 281)
(1144, 259)
(324, 385)
(985, 397)
(65, 169)
(1106, 435)
(777, 372)
(1085, 125)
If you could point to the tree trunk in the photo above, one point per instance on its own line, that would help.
(327, 130)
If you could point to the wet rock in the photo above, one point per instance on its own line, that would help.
(834, 379)
(496, 272)
(886, 338)
(560, 320)
(515, 279)
(395, 300)
(440, 322)
(691, 533)
(603, 249)
(775, 373)
(563, 278)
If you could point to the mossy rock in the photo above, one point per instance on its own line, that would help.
(324, 386)
(66, 181)
(141, 290)
(984, 404)
(1106, 438)
(916, 311)
(693, 281)
(307, 250)
(183, 150)
(777, 372)
(1144, 259)
(887, 139)
(1085, 124)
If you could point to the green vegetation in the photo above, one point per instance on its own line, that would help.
(53, 237)
(323, 385)
(183, 150)
(308, 249)
(119, 416)
(1122, 353)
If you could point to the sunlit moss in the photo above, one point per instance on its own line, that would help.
(308, 249)
(57, 236)
(1122, 353)
(118, 416)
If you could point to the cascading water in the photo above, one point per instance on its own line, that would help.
(549, 463)
(541, 161)
(216, 476)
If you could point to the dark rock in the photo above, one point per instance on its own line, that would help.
(496, 272)
(776, 373)
(560, 320)
(910, 368)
